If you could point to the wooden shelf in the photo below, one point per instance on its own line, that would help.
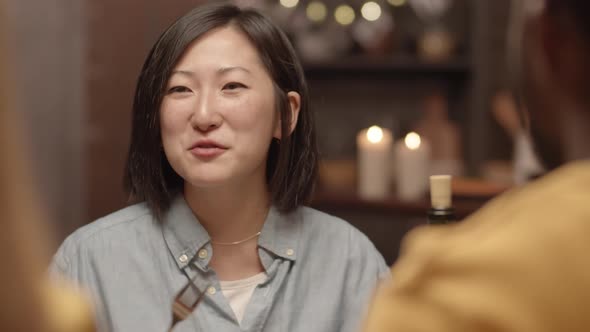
(388, 67)
(332, 201)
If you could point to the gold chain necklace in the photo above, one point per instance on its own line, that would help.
(236, 242)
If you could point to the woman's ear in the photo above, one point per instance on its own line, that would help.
(294, 107)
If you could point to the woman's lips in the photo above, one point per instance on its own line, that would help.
(207, 148)
(207, 151)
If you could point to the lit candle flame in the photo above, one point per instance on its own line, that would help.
(413, 141)
(375, 134)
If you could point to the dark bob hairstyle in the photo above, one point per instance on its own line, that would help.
(292, 163)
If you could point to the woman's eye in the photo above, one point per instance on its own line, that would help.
(233, 86)
(178, 89)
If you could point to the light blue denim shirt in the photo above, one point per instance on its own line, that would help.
(321, 272)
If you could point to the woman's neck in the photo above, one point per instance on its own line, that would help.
(230, 213)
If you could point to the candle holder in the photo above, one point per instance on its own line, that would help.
(374, 161)
(412, 162)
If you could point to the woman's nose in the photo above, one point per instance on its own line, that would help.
(206, 116)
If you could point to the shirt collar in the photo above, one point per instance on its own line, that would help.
(185, 235)
(183, 232)
(280, 234)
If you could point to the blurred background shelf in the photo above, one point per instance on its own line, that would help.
(468, 196)
(331, 201)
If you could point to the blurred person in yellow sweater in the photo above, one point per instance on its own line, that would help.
(520, 263)
(29, 302)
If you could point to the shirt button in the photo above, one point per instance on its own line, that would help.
(203, 253)
(183, 258)
(211, 290)
(290, 252)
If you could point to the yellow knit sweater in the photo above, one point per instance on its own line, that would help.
(519, 264)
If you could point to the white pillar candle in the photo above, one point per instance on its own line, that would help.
(374, 161)
(412, 162)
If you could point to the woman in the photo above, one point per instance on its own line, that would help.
(223, 155)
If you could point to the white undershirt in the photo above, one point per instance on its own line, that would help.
(239, 292)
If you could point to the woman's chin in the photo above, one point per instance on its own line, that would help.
(208, 183)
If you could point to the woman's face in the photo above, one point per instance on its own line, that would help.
(218, 114)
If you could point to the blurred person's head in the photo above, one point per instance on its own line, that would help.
(22, 249)
(29, 300)
(556, 77)
(222, 98)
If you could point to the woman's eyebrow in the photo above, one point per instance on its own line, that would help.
(183, 73)
(224, 70)
(220, 71)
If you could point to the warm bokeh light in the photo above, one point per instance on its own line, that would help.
(344, 14)
(371, 11)
(375, 134)
(397, 3)
(413, 141)
(289, 3)
(316, 11)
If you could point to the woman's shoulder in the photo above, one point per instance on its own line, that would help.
(120, 225)
(342, 242)
(331, 228)
(127, 218)
(322, 219)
